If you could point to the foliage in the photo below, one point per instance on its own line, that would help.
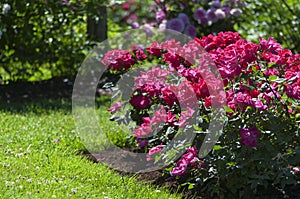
(259, 148)
(130, 13)
(43, 38)
(252, 19)
(279, 18)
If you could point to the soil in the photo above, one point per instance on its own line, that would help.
(61, 88)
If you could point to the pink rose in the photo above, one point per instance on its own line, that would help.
(152, 151)
(180, 168)
(115, 107)
(142, 131)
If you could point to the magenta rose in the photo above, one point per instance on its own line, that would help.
(140, 102)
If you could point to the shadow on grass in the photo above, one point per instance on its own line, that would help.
(38, 106)
(42, 96)
(37, 97)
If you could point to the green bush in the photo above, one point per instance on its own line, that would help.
(278, 18)
(41, 39)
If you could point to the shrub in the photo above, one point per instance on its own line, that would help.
(259, 148)
(43, 38)
(271, 17)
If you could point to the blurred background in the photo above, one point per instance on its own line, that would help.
(47, 40)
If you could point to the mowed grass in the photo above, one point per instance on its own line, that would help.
(40, 158)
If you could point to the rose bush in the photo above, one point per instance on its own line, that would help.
(259, 148)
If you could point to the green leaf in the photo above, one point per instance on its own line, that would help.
(217, 147)
(191, 186)
(228, 109)
(271, 64)
(273, 78)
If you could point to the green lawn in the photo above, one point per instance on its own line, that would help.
(40, 158)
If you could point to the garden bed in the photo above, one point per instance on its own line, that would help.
(163, 179)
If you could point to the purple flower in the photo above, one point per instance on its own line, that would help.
(191, 31)
(226, 10)
(199, 14)
(220, 14)
(236, 12)
(135, 25)
(215, 4)
(148, 29)
(142, 142)
(249, 136)
(184, 18)
(241, 3)
(211, 16)
(203, 21)
(176, 24)
(160, 15)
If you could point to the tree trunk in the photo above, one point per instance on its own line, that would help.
(97, 23)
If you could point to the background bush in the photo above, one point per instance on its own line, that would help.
(275, 18)
(42, 39)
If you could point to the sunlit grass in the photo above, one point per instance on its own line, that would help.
(40, 158)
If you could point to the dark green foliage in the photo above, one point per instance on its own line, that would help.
(44, 38)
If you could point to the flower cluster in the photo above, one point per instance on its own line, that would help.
(118, 60)
(164, 15)
(217, 11)
(235, 57)
(204, 14)
(190, 158)
(182, 24)
(249, 136)
(260, 79)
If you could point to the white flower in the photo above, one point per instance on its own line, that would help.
(236, 12)
(220, 14)
(6, 8)
(162, 27)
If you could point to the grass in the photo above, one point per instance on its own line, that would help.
(40, 158)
